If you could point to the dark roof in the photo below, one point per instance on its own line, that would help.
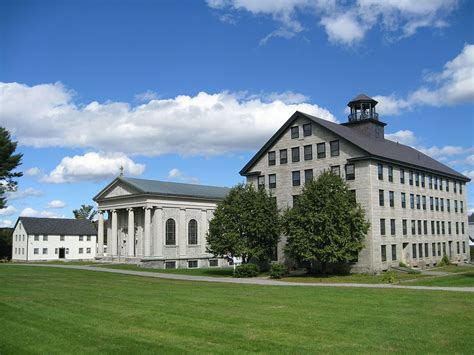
(362, 97)
(57, 226)
(173, 188)
(382, 149)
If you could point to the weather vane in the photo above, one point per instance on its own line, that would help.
(121, 170)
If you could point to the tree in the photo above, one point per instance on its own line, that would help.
(326, 225)
(245, 224)
(6, 241)
(8, 163)
(85, 212)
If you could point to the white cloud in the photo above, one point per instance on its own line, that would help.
(469, 174)
(146, 96)
(445, 151)
(406, 137)
(453, 85)
(47, 116)
(346, 22)
(176, 174)
(92, 167)
(8, 211)
(56, 204)
(35, 171)
(30, 212)
(28, 192)
(5, 223)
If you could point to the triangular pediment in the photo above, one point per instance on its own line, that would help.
(116, 189)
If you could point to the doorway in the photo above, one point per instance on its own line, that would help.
(62, 253)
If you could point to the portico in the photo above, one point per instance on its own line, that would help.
(156, 223)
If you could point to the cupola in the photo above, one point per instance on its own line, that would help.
(364, 117)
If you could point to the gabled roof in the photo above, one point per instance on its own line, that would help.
(382, 149)
(57, 226)
(166, 188)
(362, 97)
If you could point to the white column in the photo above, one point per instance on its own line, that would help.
(114, 233)
(109, 233)
(131, 233)
(100, 235)
(203, 230)
(182, 235)
(147, 227)
(158, 232)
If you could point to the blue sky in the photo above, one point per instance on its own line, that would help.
(189, 90)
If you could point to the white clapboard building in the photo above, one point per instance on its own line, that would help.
(44, 239)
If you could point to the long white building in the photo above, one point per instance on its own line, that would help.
(45, 239)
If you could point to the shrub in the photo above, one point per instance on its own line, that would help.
(402, 264)
(246, 270)
(414, 272)
(278, 270)
(390, 277)
(445, 261)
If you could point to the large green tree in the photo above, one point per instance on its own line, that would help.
(85, 212)
(245, 224)
(326, 225)
(8, 163)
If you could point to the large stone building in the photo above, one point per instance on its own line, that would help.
(156, 223)
(415, 204)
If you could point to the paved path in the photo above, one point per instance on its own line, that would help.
(251, 281)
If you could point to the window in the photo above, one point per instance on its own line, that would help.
(413, 227)
(392, 227)
(420, 250)
(36, 251)
(444, 248)
(381, 201)
(448, 205)
(88, 250)
(439, 249)
(261, 182)
(447, 185)
(380, 171)
(430, 181)
(433, 231)
(449, 228)
(417, 179)
(295, 200)
(424, 202)
(443, 230)
(384, 253)
(283, 156)
(410, 177)
(414, 250)
(350, 171)
(308, 152)
(334, 148)
(213, 262)
(433, 249)
(56, 251)
(460, 187)
(391, 198)
(295, 177)
(61, 238)
(88, 238)
(458, 248)
(170, 232)
(464, 247)
(403, 199)
(271, 158)
(192, 264)
(170, 264)
(412, 201)
(441, 184)
(402, 176)
(437, 203)
(81, 250)
(81, 238)
(431, 204)
(272, 181)
(45, 238)
(394, 252)
(435, 180)
(422, 179)
(462, 227)
(455, 206)
(438, 229)
(419, 228)
(67, 251)
(425, 227)
(336, 170)
(192, 232)
(418, 202)
(461, 206)
(307, 130)
(382, 226)
(441, 204)
(295, 132)
(404, 226)
(308, 175)
(295, 154)
(390, 173)
(455, 186)
(321, 148)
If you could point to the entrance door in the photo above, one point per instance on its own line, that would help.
(405, 255)
(62, 253)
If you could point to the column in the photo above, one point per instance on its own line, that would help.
(158, 232)
(131, 233)
(100, 235)
(147, 230)
(203, 231)
(182, 237)
(114, 233)
(109, 233)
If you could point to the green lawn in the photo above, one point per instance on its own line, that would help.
(461, 280)
(453, 268)
(49, 310)
(353, 278)
(214, 272)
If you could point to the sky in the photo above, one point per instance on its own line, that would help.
(188, 91)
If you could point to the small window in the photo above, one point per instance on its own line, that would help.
(307, 130)
(295, 177)
(45, 251)
(67, 250)
(36, 251)
(321, 148)
(56, 251)
(295, 154)
(61, 238)
(334, 148)
(45, 238)
(420, 250)
(404, 200)
(382, 226)
(81, 250)
(308, 175)
(381, 199)
(283, 156)
(390, 173)
(261, 181)
(418, 202)
(422, 179)
(404, 227)
(192, 264)
(213, 262)
(88, 250)
(380, 171)
(272, 181)
(433, 249)
(425, 227)
(424, 202)
(413, 227)
(295, 132)
(441, 184)
(88, 238)
(419, 228)
(350, 171)
(447, 185)
(430, 181)
(308, 152)
(192, 232)
(391, 198)
(392, 227)
(271, 158)
(384, 253)
(412, 201)
(81, 238)
(417, 179)
(410, 177)
(414, 250)
(295, 200)
(170, 232)
(336, 170)
(170, 264)
(402, 176)
(394, 252)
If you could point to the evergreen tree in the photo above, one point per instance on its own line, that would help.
(85, 212)
(8, 163)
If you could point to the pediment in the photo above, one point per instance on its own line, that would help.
(117, 189)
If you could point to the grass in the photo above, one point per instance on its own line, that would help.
(459, 280)
(353, 278)
(72, 262)
(55, 311)
(214, 272)
(453, 268)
